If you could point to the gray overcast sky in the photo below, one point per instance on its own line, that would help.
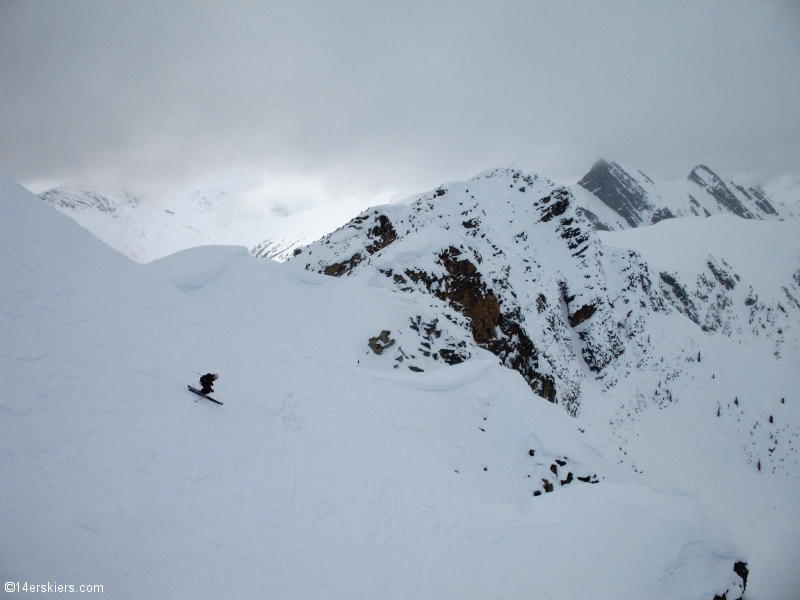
(359, 97)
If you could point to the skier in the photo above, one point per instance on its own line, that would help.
(207, 381)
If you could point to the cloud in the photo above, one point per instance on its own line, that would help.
(399, 96)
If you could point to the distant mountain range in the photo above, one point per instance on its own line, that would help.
(146, 228)
(618, 198)
(611, 197)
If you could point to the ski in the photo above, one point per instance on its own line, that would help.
(196, 391)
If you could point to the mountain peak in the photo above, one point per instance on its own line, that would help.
(618, 190)
(713, 184)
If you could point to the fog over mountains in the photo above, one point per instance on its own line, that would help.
(500, 388)
(145, 228)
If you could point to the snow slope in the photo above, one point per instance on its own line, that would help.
(328, 473)
(146, 228)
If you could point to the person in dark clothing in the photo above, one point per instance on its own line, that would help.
(207, 381)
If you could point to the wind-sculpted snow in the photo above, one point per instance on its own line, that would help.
(332, 471)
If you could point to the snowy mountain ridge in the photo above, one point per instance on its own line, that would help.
(512, 260)
(619, 198)
(75, 199)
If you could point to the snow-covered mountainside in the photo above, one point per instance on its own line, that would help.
(613, 328)
(146, 229)
(73, 199)
(614, 198)
(514, 266)
(371, 442)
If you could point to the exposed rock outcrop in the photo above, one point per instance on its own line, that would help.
(493, 327)
(736, 590)
(380, 342)
(378, 237)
